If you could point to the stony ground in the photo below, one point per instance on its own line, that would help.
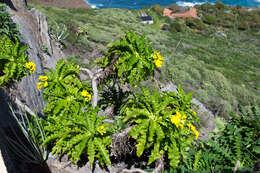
(63, 3)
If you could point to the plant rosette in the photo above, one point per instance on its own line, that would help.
(64, 91)
(14, 62)
(78, 135)
(162, 123)
(132, 57)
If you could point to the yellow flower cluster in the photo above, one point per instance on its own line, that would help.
(193, 129)
(85, 94)
(31, 66)
(178, 119)
(158, 59)
(193, 112)
(101, 130)
(43, 82)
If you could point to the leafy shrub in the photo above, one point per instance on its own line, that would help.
(219, 5)
(78, 135)
(7, 26)
(163, 123)
(209, 19)
(59, 32)
(132, 58)
(113, 95)
(177, 26)
(238, 141)
(242, 25)
(195, 23)
(13, 61)
(157, 9)
(65, 93)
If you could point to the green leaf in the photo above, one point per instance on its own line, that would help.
(91, 152)
(102, 150)
(174, 155)
(256, 149)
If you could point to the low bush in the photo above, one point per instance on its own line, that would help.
(219, 5)
(177, 26)
(236, 145)
(7, 26)
(79, 135)
(158, 9)
(163, 123)
(195, 24)
(14, 61)
(209, 19)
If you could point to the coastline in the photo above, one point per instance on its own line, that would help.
(62, 3)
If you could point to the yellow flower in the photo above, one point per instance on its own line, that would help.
(100, 129)
(193, 112)
(31, 66)
(178, 120)
(158, 59)
(154, 56)
(158, 63)
(196, 133)
(43, 78)
(175, 120)
(45, 84)
(39, 85)
(85, 94)
(193, 129)
(88, 97)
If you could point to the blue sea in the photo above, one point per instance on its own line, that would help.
(137, 4)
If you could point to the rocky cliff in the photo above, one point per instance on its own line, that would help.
(34, 31)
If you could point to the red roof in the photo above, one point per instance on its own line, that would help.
(191, 13)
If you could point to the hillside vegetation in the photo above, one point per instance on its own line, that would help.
(140, 126)
(214, 57)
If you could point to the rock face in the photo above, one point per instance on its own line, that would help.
(33, 29)
(18, 5)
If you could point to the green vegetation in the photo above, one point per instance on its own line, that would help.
(13, 58)
(132, 55)
(63, 90)
(7, 26)
(237, 143)
(28, 147)
(162, 123)
(218, 62)
(78, 135)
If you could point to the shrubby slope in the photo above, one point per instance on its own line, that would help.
(218, 59)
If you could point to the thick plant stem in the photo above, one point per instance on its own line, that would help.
(94, 85)
(100, 75)
(159, 166)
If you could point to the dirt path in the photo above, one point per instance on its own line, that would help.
(62, 3)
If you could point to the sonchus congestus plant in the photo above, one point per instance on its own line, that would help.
(83, 133)
(64, 91)
(14, 62)
(132, 58)
(164, 123)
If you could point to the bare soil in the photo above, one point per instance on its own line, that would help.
(62, 3)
